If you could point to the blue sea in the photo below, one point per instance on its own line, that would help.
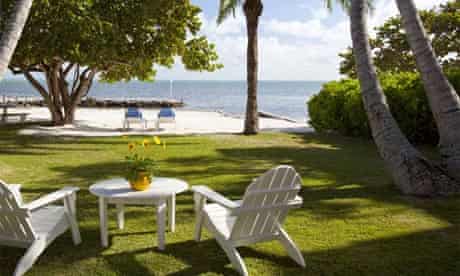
(285, 98)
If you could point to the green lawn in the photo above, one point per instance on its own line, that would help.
(353, 221)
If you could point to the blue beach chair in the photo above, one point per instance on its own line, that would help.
(166, 115)
(134, 115)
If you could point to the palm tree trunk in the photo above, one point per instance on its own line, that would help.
(444, 101)
(411, 171)
(252, 10)
(12, 32)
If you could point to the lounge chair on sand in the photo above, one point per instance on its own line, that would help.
(166, 115)
(257, 218)
(133, 115)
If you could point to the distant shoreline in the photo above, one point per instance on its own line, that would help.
(284, 98)
(26, 102)
(144, 103)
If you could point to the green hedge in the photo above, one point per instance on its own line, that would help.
(338, 107)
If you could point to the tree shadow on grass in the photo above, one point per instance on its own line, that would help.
(337, 174)
(431, 252)
(349, 168)
(12, 144)
(333, 168)
(85, 175)
(9, 136)
(90, 173)
(63, 253)
(238, 167)
(428, 252)
(200, 258)
(45, 146)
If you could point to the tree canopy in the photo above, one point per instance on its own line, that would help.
(75, 40)
(391, 51)
(121, 39)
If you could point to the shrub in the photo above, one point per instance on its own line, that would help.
(338, 107)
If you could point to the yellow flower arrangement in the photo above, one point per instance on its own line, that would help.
(140, 164)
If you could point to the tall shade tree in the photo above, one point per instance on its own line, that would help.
(68, 42)
(11, 31)
(444, 101)
(391, 50)
(410, 170)
(252, 10)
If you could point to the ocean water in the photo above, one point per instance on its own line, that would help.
(285, 98)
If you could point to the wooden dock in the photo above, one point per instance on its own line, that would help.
(97, 102)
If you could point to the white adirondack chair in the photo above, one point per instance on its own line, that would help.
(36, 224)
(256, 218)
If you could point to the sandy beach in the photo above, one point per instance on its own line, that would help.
(97, 122)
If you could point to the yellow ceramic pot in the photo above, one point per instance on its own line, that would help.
(142, 182)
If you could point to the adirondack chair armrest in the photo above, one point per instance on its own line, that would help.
(15, 187)
(215, 197)
(298, 199)
(50, 198)
(297, 202)
(16, 190)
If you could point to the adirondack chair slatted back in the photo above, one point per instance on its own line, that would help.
(266, 203)
(14, 221)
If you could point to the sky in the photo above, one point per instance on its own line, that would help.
(298, 40)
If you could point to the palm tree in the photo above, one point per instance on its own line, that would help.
(410, 170)
(252, 10)
(444, 101)
(11, 32)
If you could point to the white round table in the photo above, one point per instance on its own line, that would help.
(161, 193)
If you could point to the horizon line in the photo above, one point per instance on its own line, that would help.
(216, 80)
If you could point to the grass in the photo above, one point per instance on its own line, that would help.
(353, 221)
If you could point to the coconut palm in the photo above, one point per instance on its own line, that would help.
(410, 170)
(444, 101)
(252, 10)
(11, 32)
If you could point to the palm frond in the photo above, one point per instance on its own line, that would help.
(345, 4)
(370, 6)
(227, 8)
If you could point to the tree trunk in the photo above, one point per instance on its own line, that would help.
(12, 32)
(60, 100)
(69, 113)
(252, 11)
(57, 117)
(444, 101)
(412, 173)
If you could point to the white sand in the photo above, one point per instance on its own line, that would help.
(109, 122)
